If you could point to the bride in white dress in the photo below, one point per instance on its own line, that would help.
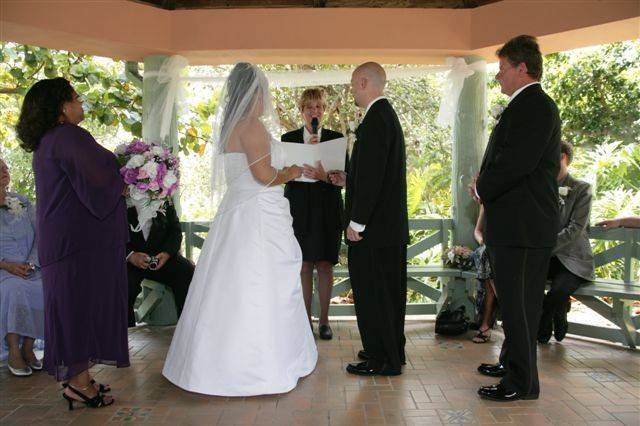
(244, 328)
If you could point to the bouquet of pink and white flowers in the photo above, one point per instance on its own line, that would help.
(152, 174)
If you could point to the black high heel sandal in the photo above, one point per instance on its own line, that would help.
(95, 402)
(101, 388)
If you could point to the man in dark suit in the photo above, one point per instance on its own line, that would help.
(518, 189)
(377, 230)
(160, 238)
(572, 259)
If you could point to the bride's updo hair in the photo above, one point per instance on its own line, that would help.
(243, 92)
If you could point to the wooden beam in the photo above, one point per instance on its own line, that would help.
(241, 4)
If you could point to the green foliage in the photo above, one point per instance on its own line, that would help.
(194, 128)
(597, 92)
(109, 98)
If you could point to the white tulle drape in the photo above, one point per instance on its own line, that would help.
(171, 73)
(158, 120)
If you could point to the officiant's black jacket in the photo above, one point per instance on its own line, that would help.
(165, 233)
(517, 182)
(299, 193)
(376, 180)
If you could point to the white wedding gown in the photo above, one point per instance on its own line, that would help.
(244, 328)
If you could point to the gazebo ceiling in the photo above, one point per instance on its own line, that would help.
(133, 30)
(266, 4)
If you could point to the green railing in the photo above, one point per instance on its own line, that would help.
(613, 299)
(427, 234)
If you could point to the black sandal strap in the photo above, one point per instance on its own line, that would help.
(95, 402)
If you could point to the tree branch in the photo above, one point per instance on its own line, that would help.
(9, 90)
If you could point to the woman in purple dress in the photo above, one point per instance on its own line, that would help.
(82, 232)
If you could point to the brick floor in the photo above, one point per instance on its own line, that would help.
(583, 382)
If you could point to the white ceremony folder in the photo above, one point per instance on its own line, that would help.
(330, 153)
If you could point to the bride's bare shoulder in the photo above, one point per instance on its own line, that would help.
(251, 130)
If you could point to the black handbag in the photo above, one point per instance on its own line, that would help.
(452, 322)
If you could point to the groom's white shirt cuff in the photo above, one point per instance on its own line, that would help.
(356, 226)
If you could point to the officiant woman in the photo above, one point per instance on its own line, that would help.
(316, 208)
(81, 225)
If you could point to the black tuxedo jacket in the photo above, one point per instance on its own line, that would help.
(517, 183)
(165, 234)
(376, 180)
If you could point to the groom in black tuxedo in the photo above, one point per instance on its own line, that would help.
(161, 238)
(518, 189)
(377, 230)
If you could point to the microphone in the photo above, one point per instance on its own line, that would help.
(314, 125)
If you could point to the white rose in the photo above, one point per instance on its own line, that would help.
(169, 179)
(451, 256)
(137, 194)
(564, 191)
(120, 149)
(157, 150)
(151, 167)
(496, 111)
(135, 161)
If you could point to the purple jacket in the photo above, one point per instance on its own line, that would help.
(79, 195)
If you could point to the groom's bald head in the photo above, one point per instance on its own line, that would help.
(374, 73)
(367, 83)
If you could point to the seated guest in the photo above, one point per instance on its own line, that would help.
(159, 238)
(316, 208)
(486, 302)
(21, 296)
(621, 222)
(571, 263)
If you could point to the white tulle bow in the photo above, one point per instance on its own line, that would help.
(452, 87)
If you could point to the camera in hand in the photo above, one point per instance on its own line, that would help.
(31, 269)
(153, 262)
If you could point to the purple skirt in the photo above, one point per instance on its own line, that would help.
(85, 320)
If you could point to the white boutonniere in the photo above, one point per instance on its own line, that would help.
(496, 111)
(563, 191)
(15, 206)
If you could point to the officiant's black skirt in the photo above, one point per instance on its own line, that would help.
(317, 212)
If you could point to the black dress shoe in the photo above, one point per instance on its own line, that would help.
(368, 369)
(500, 393)
(560, 324)
(325, 332)
(545, 328)
(492, 370)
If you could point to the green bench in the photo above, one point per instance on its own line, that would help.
(431, 237)
(625, 250)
